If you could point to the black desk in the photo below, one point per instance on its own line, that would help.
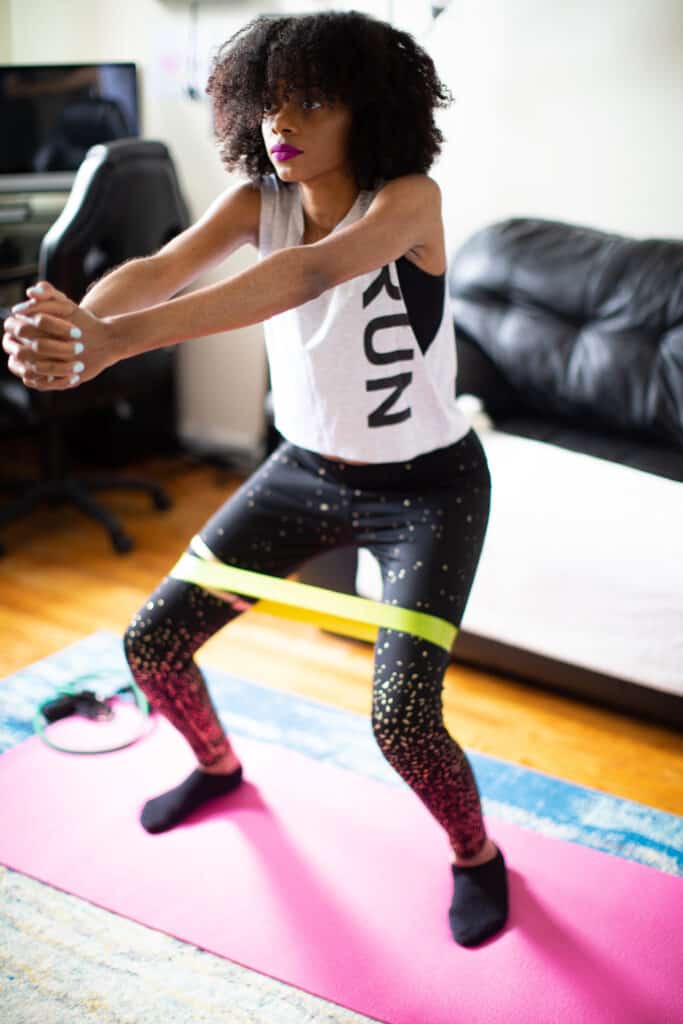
(24, 272)
(24, 219)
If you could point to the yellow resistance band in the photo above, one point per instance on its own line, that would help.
(338, 613)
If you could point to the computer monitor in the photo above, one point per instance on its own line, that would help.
(50, 116)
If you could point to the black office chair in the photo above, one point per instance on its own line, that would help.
(125, 202)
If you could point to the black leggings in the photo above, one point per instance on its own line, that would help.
(425, 522)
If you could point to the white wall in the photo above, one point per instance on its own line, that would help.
(5, 52)
(569, 110)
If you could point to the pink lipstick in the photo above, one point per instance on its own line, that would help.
(285, 152)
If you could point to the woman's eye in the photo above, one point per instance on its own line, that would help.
(270, 108)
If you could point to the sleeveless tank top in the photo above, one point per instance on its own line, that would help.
(365, 371)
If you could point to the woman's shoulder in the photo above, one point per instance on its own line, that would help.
(422, 185)
(418, 196)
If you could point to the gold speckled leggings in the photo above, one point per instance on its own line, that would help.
(424, 521)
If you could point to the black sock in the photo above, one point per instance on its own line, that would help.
(167, 810)
(480, 901)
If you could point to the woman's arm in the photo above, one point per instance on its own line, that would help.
(134, 285)
(398, 219)
(231, 221)
(284, 280)
(37, 336)
(44, 356)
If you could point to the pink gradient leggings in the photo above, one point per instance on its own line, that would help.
(425, 522)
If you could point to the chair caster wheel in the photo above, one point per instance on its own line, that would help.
(162, 501)
(122, 543)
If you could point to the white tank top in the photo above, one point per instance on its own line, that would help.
(366, 371)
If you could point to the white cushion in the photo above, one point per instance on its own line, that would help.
(582, 562)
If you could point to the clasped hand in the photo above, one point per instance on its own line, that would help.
(53, 344)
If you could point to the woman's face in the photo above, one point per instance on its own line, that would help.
(316, 129)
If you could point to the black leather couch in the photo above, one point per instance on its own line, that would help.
(572, 337)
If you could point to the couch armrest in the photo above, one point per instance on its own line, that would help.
(478, 375)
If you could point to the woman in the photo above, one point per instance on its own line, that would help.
(330, 117)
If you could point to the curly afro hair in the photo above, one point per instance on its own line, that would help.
(388, 81)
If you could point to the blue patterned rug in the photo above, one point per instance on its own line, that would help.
(65, 959)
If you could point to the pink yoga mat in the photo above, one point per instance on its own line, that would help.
(340, 885)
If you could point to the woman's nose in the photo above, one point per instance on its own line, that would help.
(282, 119)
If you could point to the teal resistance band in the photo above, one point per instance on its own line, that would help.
(70, 693)
(339, 613)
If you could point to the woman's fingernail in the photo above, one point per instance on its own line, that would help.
(78, 348)
(21, 305)
(78, 367)
(75, 332)
(74, 380)
(36, 288)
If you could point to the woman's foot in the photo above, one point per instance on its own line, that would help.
(479, 908)
(169, 809)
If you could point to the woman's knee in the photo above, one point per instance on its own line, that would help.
(146, 639)
(174, 620)
(407, 687)
(171, 626)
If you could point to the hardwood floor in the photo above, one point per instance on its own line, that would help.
(60, 580)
